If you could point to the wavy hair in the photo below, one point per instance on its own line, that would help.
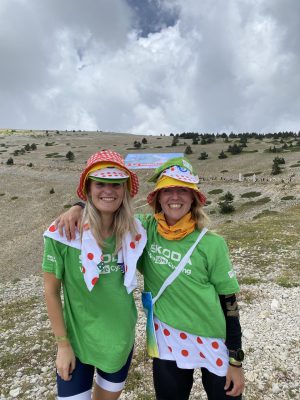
(196, 210)
(123, 221)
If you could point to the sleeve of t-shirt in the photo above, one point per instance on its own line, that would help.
(53, 258)
(144, 219)
(221, 273)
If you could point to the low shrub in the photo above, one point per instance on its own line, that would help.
(265, 213)
(250, 194)
(215, 191)
(248, 280)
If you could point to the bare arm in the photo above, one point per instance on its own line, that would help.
(65, 359)
(70, 220)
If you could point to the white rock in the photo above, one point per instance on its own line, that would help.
(15, 392)
(248, 334)
(274, 305)
(275, 388)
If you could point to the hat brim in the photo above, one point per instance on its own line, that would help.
(133, 179)
(107, 180)
(200, 196)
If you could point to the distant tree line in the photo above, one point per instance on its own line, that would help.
(249, 135)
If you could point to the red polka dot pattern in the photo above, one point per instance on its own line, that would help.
(215, 345)
(90, 256)
(138, 237)
(132, 245)
(166, 332)
(170, 349)
(83, 270)
(185, 353)
(95, 280)
(52, 228)
(156, 326)
(199, 340)
(219, 362)
(201, 354)
(183, 335)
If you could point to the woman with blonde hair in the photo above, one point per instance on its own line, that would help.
(95, 327)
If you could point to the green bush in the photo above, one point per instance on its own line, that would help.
(215, 191)
(70, 156)
(250, 194)
(188, 150)
(288, 198)
(275, 169)
(137, 144)
(203, 156)
(226, 207)
(10, 161)
(222, 155)
(228, 196)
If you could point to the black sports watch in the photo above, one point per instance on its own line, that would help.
(237, 355)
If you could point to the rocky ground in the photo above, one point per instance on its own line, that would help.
(271, 330)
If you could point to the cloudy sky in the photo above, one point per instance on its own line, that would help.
(150, 66)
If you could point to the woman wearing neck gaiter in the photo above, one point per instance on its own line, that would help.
(196, 317)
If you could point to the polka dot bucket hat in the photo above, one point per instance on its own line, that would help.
(112, 166)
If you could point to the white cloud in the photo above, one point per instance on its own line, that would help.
(82, 65)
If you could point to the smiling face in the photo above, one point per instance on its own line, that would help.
(107, 197)
(175, 203)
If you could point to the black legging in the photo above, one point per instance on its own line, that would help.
(173, 383)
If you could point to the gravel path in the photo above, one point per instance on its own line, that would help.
(271, 330)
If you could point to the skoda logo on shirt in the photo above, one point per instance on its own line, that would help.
(162, 256)
(110, 264)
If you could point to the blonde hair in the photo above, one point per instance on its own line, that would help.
(196, 210)
(123, 221)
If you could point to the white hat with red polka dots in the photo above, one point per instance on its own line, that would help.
(111, 157)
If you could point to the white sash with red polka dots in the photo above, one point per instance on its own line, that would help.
(91, 254)
(191, 351)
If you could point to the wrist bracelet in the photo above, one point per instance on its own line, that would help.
(234, 363)
(235, 366)
(59, 339)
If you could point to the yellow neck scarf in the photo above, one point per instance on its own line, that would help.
(178, 231)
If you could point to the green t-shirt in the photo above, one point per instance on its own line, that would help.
(191, 303)
(100, 323)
